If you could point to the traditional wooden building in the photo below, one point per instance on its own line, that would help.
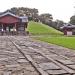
(12, 24)
(68, 29)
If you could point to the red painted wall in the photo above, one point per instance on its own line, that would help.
(8, 19)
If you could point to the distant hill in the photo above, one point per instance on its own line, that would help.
(39, 28)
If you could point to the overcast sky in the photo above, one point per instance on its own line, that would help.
(60, 9)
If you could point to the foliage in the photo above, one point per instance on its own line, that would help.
(57, 24)
(32, 13)
(46, 18)
(72, 20)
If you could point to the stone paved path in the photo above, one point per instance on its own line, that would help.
(34, 57)
(12, 62)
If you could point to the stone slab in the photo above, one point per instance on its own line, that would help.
(22, 61)
(56, 72)
(67, 62)
(71, 66)
(49, 66)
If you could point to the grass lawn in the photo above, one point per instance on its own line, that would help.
(38, 28)
(50, 35)
(64, 41)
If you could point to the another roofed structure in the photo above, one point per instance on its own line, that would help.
(68, 29)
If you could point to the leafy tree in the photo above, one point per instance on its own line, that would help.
(72, 20)
(46, 18)
(31, 13)
(59, 23)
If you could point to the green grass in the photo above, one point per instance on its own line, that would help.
(68, 42)
(38, 28)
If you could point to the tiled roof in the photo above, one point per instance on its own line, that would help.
(67, 26)
(9, 13)
(23, 18)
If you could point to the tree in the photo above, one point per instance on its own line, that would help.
(46, 18)
(72, 20)
(59, 23)
(31, 13)
(14, 10)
